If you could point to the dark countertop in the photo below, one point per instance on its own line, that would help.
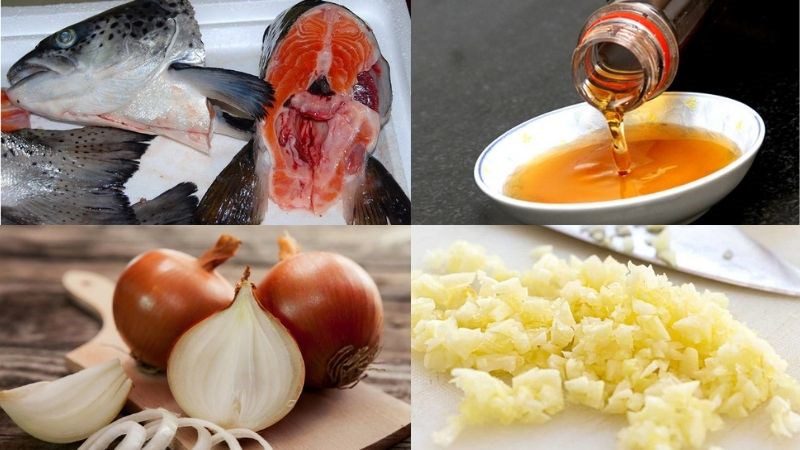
(482, 67)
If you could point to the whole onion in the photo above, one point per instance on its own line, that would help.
(332, 308)
(162, 293)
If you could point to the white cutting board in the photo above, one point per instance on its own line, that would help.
(773, 317)
(232, 32)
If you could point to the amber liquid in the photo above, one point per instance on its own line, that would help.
(661, 156)
(604, 99)
(619, 146)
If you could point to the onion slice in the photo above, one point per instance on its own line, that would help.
(160, 429)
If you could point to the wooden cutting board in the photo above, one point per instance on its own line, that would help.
(362, 417)
(775, 318)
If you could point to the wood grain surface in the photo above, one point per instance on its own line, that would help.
(39, 324)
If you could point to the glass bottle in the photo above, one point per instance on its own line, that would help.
(627, 52)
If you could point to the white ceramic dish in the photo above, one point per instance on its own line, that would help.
(684, 203)
(232, 32)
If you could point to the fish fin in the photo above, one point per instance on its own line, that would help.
(243, 91)
(94, 138)
(101, 207)
(173, 207)
(88, 169)
(238, 196)
(378, 199)
(92, 157)
(233, 126)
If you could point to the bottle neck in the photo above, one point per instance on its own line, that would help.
(627, 53)
(683, 15)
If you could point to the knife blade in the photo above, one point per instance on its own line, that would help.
(722, 253)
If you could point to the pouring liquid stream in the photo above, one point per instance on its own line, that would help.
(622, 157)
(609, 90)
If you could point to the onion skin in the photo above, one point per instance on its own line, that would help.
(332, 308)
(162, 293)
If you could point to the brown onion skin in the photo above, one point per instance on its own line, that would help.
(161, 294)
(327, 302)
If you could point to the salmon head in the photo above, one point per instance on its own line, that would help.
(332, 96)
(116, 69)
(98, 65)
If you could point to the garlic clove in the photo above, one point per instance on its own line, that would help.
(71, 408)
(239, 368)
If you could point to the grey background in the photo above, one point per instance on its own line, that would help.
(480, 67)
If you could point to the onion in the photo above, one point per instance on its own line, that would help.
(71, 408)
(162, 293)
(239, 368)
(331, 307)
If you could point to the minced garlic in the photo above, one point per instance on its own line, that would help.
(533, 397)
(617, 338)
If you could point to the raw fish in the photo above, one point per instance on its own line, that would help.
(137, 66)
(332, 95)
(77, 177)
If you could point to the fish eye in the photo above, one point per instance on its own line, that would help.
(66, 38)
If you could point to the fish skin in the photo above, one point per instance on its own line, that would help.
(77, 177)
(125, 68)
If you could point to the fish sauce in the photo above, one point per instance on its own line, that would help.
(658, 157)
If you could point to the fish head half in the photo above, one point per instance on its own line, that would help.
(99, 65)
(332, 96)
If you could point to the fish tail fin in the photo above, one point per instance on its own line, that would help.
(378, 199)
(238, 196)
(173, 207)
(91, 166)
(241, 91)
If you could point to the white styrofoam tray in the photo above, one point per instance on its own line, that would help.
(232, 32)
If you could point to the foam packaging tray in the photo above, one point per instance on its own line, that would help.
(232, 32)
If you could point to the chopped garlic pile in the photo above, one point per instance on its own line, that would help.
(618, 338)
(532, 397)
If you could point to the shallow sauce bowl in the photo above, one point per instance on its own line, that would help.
(540, 135)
